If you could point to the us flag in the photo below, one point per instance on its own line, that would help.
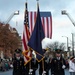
(29, 22)
(46, 19)
(26, 35)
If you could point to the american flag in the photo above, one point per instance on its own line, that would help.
(29, 22)
(46, 19)
(26, 35)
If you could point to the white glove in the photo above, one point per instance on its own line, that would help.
(30, 73)
(44, 72)
(11, 66)
(30, 70)
(63, 67)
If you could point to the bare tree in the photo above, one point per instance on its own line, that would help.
(51, 47)
(56, 45)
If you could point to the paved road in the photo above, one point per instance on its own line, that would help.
(10, 72)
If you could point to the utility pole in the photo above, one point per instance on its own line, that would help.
(67, 41)
(73, 44)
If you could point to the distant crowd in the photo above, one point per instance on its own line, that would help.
(5, 64)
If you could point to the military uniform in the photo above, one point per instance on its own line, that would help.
(57, 66)
(44, 64)
(18, 65)
(32, 66)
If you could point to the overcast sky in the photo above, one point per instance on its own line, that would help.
(61, 24)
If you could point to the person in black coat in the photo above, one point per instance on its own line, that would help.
(44, 67)
(18, 63)
(58, 64)
(32, 66)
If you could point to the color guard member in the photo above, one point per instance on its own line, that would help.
(18, 63)
(58, 64)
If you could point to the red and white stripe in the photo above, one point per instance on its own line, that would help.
(26, 50)
(47, 26)
(46, 22)
(26, 35)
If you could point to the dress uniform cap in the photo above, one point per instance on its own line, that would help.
(58, 51)
(18, 50)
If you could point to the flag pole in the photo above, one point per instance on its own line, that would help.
(30, 61)
(37, 4)
(29, 48)
(43, 59)
(43, 64)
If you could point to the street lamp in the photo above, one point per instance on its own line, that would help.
(68, 48)
(63, 12)
(73, 44)
(11, 16)
(67, 41)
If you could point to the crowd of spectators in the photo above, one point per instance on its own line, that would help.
(5, 64)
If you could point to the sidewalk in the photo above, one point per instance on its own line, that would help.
(10, 72)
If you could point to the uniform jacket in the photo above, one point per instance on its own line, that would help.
(33, 64)
(45, 65)
(56, 66)
(18, 67)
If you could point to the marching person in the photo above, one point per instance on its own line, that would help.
(58, 64)
(72, 66)
(43, 64)
(44, 67)
(34, 65)
(18, 63)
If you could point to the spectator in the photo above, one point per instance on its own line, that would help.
(72, 66)
(6, 65)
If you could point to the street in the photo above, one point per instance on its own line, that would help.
(10, 73)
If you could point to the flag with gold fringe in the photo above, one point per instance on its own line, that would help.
(35, 41)
(26, 35)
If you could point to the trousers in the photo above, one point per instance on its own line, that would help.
(72, 73)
